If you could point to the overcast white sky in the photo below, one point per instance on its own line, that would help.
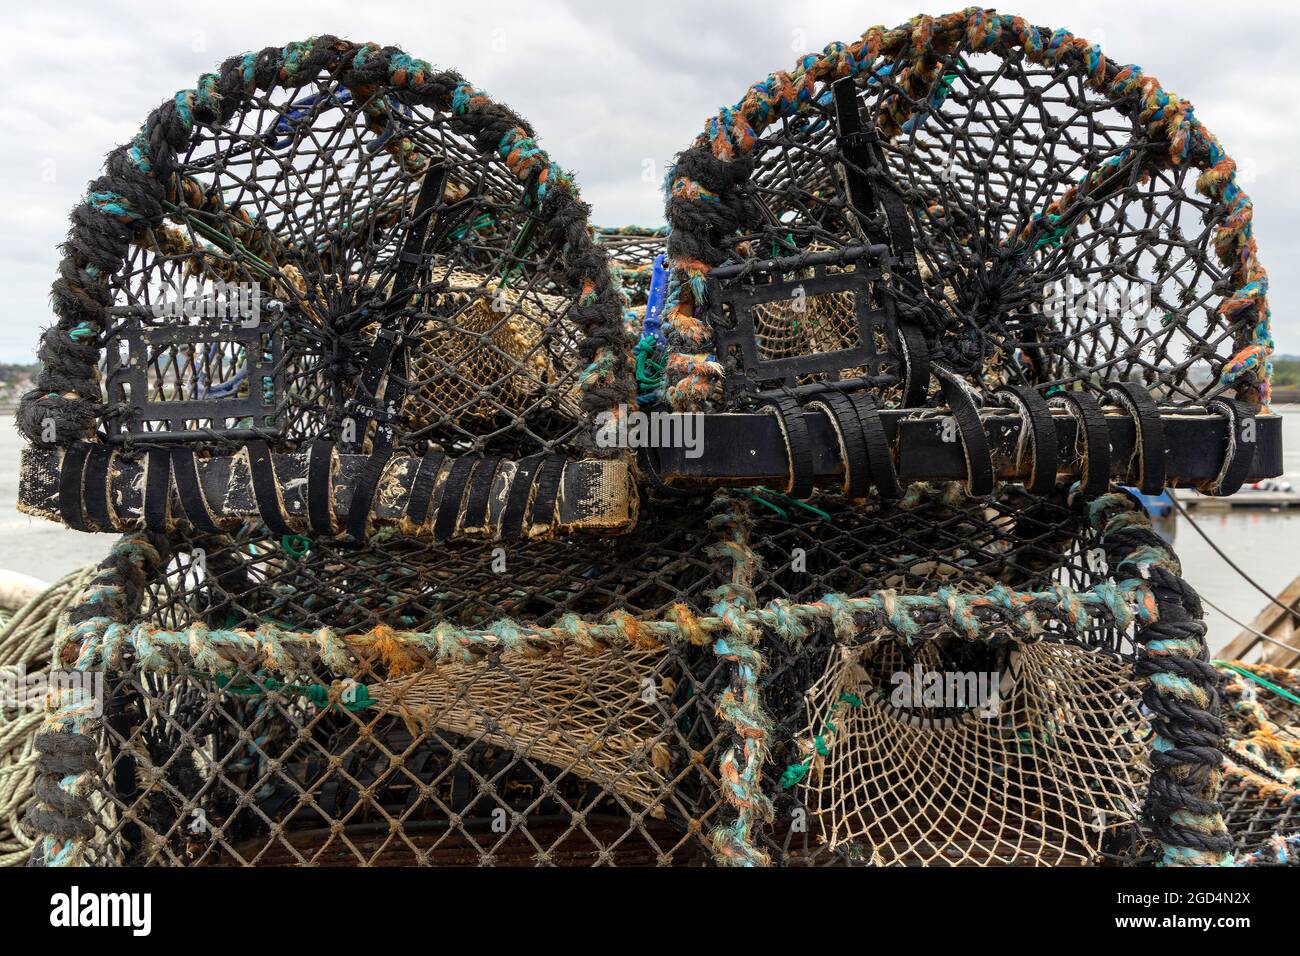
(607, 85)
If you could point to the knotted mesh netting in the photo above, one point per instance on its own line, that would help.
(1056, 219)
(387, 593)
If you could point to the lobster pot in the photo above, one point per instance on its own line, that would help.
(384, 753)
(950, 745)
(997, 171)
(356, 247)
(286, 702)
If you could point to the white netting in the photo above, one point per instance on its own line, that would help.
(599, 717)
(1046, 779)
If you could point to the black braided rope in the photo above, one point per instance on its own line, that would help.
(116, 592)
(1184, 776)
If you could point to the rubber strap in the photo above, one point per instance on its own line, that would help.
(1091, 443)
(261, 468)
(157, 489)
(914, 355)
(98, 508)
(1037, 426)
(974, 442)
(798, 445)
(444, 524)
(521, 489)
(480, 491)
(876, 441)
(189, 491)
(647, 460)
(546, 502)
(1239, 456)
(387, 352)
(363, 496)
(853, 451)
(422, 487)
(320, 487)
(72, 479)
(854, 141)
(1149, 449)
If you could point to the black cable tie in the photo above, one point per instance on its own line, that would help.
(261, 469)
(876, 440)
(844, 421)
(189, 491)
(72, 477)
(1239, 455)
(157, 489)
(974, 442)
(320, 487)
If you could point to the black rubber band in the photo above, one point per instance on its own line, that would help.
(157, 489)
(521, 488)
(96, 488)
(876, 441)
(797, 443)
(647, 460)
(422, 487)
(853, 450)
(320, 487)
(261, 469)
(1092, 441)
(1149, 449)
(189, 491)
(363, 496)
(480, 492)
(1239, 455)
(1037, 425)
(974, 442)
(72, 479)
(546, 501)
(914, 356)
(453, 491)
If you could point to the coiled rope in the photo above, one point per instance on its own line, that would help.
(25, 641)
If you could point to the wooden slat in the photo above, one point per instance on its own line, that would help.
(1277, 624)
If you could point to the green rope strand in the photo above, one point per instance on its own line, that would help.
(796, 772)
(1280, 691)
(318, 694)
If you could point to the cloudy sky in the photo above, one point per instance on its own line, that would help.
(614, 90)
